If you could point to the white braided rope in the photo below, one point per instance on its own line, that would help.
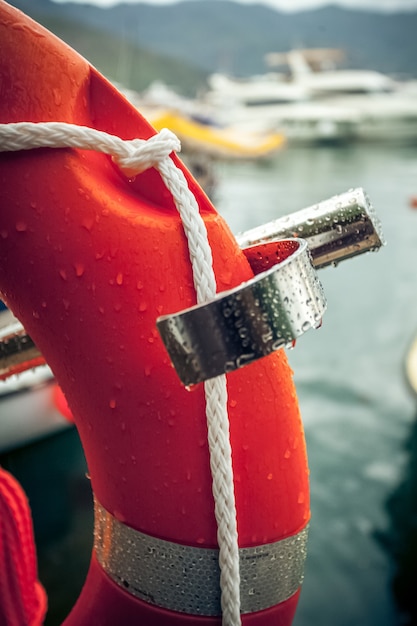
(133, 157)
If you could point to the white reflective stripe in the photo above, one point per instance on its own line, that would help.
(186, 578)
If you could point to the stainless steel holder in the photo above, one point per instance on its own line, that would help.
(335, 229)
(244, 324)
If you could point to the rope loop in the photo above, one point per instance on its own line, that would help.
(133, 157)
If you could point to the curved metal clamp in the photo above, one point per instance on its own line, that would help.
(248, 322)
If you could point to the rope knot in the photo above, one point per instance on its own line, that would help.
(141, 154)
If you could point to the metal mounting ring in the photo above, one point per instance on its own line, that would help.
(248, 322)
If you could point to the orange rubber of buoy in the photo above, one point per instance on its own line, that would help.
(88, 261)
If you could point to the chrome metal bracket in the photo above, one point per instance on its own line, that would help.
(336, 229)
(244, 324)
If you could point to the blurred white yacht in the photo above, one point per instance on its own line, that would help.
(269, 102)
(385, 109)
(315, 101)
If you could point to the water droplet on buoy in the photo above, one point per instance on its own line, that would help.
(57, 96)
(79, 269)
(88, 223)
(21, 226)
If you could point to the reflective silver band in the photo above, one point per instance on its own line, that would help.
(186, 579)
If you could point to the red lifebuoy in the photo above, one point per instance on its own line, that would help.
(88, 261)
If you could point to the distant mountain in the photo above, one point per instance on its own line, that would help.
(116, 56)
(223, 35)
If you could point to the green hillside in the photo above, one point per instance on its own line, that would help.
(180, 42)
(122, 61)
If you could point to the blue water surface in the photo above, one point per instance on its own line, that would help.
(356, 407)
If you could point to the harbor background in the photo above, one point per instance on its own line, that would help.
(357, 410)
(358, 413)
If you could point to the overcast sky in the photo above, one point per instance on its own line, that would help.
(290, 5)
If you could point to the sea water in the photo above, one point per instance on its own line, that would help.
(356, 407)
